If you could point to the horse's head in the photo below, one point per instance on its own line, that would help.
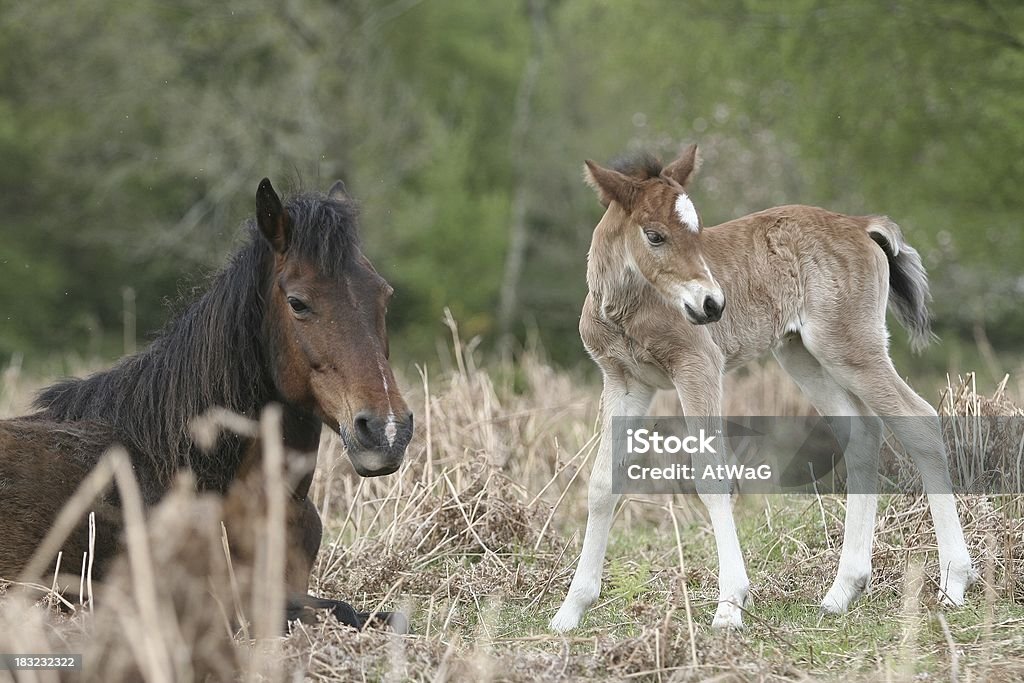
(657, 230)
(326, 308)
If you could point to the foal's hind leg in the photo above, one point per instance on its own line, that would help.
(866, 371)
(861, 457)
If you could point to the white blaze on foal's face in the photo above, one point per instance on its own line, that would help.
(687, 213)
(700, 299)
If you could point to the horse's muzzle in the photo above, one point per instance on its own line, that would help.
(374, 464)
(376, 445)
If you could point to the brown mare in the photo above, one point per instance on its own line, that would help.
(296, 317)
(675, 305)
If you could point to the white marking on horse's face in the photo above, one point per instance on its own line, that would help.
(694, 293)
(687, 213)
(689, 297)
(391, 428)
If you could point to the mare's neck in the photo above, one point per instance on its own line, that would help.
(217, 353)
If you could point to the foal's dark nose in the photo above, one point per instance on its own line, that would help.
(713, 309)
(385, 433)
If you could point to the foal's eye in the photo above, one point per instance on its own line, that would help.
(298, 305)
(654, 238)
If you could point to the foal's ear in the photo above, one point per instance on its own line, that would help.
(337, 191)
(271, 217)
(611, 185)
(685, 167)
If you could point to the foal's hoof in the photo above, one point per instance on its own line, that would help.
(729, 614)
(728, 617)
(844, 591)
(305, 609)
(955, 586)
(567, 619)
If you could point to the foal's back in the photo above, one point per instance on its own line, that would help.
(782, 267)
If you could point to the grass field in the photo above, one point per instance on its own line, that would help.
(476, 537)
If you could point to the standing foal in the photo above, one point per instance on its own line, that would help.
(806, 284)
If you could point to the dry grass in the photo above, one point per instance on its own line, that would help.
(476, 538)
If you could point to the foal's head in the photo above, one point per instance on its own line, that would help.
(326, 307)
(650, 211)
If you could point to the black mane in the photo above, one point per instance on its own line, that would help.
(642, 166)
(215, 353)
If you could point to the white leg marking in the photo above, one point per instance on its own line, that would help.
(586, 582)
(700, 395)
(854, 574)
(733, 584)
(922, 437)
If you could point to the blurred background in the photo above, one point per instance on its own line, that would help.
(133, 135)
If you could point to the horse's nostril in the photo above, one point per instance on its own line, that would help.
(364, 429)
(712, 309)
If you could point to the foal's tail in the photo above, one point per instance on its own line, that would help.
(908, 281)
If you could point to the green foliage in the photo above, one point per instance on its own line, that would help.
(133, 135)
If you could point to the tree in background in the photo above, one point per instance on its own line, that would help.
(133, 135)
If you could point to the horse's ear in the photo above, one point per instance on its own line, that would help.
(337, 191)
(685, 167)
(611, 185)
(271, 217)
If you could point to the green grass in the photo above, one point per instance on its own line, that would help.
(893, 628)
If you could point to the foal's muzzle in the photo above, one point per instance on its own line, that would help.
(376, 444)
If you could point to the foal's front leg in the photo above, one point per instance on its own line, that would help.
(618, 399)
(700, 392)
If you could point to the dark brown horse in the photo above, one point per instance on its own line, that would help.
(296, 317)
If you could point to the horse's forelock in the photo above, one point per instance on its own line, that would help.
(324, 230)
(641, 166)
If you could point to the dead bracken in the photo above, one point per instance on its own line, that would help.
(475, 541)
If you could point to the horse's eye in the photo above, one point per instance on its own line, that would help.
(298, 305)
(654, 238)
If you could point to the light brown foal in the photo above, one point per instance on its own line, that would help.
(809, 286)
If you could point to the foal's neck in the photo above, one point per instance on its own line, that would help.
(617, 286)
